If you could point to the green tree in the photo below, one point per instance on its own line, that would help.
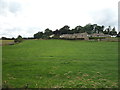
(78, 29)
(64, 30)
(107, 30)
(88, 28)
(18, 39)
(38, 35)
(118, 35)
(56, 32)
(4, 38)
(99, 29)
(113, 32)
(47, 33)
(72, 31)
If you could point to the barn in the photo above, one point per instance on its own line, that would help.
(82, 36)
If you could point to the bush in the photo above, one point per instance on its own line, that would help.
(18, 39)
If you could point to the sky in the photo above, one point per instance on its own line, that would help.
(27, 17)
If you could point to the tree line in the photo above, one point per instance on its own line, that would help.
(88, 28)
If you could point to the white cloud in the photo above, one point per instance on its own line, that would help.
(26, 17)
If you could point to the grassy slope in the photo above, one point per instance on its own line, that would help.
(59, 63)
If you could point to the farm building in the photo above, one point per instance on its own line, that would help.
(99, 35)
(83, 36)
(51, 35)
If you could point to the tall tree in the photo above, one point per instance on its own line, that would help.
(38, 35)
(88, 28)
(107, 30)
(47, 33)
(78, 29)
(118, 35)
(56, 32)
(18, 39)
(99, 29)
(113, 32)
(64, 30)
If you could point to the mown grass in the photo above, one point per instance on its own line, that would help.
(60, 64)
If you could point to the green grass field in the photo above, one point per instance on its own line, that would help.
(60, 64)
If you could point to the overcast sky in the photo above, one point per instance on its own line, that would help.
(27, 17)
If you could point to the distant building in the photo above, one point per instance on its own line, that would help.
(99, 35)
(83, 36)
(51, 35)
(114, 36)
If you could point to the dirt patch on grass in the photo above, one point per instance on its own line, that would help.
(7, 42)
